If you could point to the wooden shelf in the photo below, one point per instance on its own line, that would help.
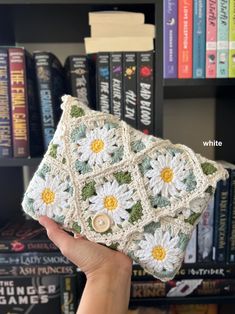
(19, 162)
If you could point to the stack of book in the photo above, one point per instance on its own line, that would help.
(178, 309)
(34, 275)
(199, 38)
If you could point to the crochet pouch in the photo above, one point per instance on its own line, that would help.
(135, 193)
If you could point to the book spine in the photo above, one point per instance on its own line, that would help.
(116, 85)
(222, 38)
(232, 38)
(103, 82)
(19, 104)
(220, 226)
(27, 246)
(170, 34)
(68, 294)
(231, 220)
(211, 38)
(145, 92)
(5, 114)
(191, 250)
(79, 78)
(39, 270)
(199, 38)
(43, 75)
(185, 38)
(130, 88)
(205, 234)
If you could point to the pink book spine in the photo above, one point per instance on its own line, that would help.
(211, 38)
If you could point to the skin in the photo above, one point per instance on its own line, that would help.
(108, 272)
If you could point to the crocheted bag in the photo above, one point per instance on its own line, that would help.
(135, 193)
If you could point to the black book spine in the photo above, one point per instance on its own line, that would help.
(103, 82)
(130, 88)
(231, 220)
(37, 270)
(91, 63)
(68, 286)
(8, 246)
(116, 77)
(145, 92)
(6, 149)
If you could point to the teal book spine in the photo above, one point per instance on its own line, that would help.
(199, 39)
(222, 38)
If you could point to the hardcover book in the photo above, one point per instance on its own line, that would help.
(130, 88)
(145, 92)
(69, 297)
(211, 38)
(222, 38)
(116, 80)
(185, 38)
(232, 38)
(103, 82)
(5, 105)
(51, 87)
(199, 38)
(170, 22)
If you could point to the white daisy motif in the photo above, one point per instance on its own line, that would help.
(158, 252)
(97, 147)
(49, 195)
(112, 199)
(57, 140)
(167, 174)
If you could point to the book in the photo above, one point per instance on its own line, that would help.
(25, 236)
(182, 288)
(116, 17)
(116, 44)
(91, 63)
(130, 88)
(145, 92)
(103, 82)
(232, 38)
(6, 149)
(195, 309)
(185, 39)
(116, 84)
(222, 38)
(221, 221)
(211, 38)
(199, 38)
(119, 30)
(19, 102)
(51, 86)
(77, 75)
(170, 34)
(191, 250)
(69, 298)
(205, 234)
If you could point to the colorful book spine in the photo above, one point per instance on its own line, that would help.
(19, 103)
(145, 92)
(78, 78)
(222, 38)
(5, 105)
(170, 21)
(116, 87)
(199, 38)
(220, 220)
(232, 38)
(130, 88)
(211, 38)
(191, 250)
(185, 38)
(68, 285)
(38, 270)
(103, 82)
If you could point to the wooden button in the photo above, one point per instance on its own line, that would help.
(101, 222)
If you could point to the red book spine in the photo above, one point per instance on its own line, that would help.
(185, 38)
(19, 105)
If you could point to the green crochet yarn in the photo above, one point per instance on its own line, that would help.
(88, 190)
(136, 212)
(76, 112)
(123, 177)
(193, 218)
(76, 227)
(160, 201)
(208, 168)
(53, 150)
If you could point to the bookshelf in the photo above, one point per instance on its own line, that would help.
(66, 21)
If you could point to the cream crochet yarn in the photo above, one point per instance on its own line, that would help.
(132, 192)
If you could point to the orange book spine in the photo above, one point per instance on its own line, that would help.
(185, 38)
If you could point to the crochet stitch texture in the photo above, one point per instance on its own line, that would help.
(135, 193)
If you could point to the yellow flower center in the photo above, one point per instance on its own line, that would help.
(48, 196)
(97, 146)
(158, 253)
(167, 175)
(110, 202)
